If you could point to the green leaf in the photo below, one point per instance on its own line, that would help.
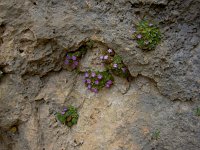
(69, 124)
(90, 43)
(74, 121)
(61, 118)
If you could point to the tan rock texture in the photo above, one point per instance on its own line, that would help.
(34, 83)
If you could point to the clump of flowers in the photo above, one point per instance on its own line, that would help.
(118, 67)
(96, 80)
(68, 116)
(114, 63)
(147, 35)
(73, 58)
(107, 57)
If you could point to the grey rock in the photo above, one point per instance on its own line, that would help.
(41, 42)
(34, 39)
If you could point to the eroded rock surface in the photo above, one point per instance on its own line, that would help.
(108, 120)
(33, 38)
(34, 84)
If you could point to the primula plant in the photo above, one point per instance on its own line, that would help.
(118, 67)
(96, 80)
(68, 116)
(114, 63)
(73, 58)
(147, 35)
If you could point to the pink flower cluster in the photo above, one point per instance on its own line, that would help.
(94, 81)
(109, 83)
(104, 57)
(109, 52)
(72, 61)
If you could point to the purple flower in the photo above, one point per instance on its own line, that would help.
(109, 50)
(62, 112)
(65, 109)
(96, 82)
(101, 57)
(68, 57)
(94, 90)
(93, 74)
(109, 82)
(66, 62)
(105, 57)
(139, 36)
(107, 85)
(115, 65)
(99, 76)
(88, 81)
(124, 70)
(73, 57)
(150, 24)
(75, 63)
(89, 86)
(86, 75)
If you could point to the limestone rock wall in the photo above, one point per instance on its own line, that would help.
(165, 90)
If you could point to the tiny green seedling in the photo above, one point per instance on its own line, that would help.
(156, 135)
(147, 35)
(68, 116)
(197, 111)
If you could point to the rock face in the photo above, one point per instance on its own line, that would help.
(140, 114)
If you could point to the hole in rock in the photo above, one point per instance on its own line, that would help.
(21, 51)
(2, 29)
(1, 41)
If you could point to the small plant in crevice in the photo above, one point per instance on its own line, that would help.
(155, 135)
(1, 74)
(73, 58)
(114, 63)
(68, 116)
(197, 111)
(96, 80)
(147, 35)
(118, 67)
(14, 129)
